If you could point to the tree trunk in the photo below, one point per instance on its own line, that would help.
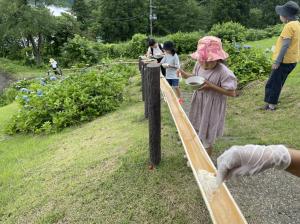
(36, 48)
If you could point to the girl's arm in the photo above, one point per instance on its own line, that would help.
(208, 85)
(148, 54)
(163, 60)
(184, 74)
(177, 63)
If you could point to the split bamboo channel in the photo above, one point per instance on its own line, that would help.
(222, 207)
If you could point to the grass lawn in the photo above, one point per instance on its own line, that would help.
(18, 71)
(264, 44)
(246, 125)
(97, 173)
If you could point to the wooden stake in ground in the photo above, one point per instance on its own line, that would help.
(154, 112)
(146, 90)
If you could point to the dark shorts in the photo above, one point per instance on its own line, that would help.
(173, 82)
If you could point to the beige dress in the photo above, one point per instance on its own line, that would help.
(208, 107)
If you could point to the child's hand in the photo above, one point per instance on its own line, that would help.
(206, 86)
(181, 73)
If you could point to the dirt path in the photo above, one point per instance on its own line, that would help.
(4, 80)
(272, 197)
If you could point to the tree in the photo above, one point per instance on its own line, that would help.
(81, 10)
(181, 15)
(120, 19)
(256, 18)
(268, 8)
(65, 28)
(230, 10)
(24, 25)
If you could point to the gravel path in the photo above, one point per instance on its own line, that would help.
(272, 197)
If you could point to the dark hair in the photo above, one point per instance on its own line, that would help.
(169, 46)
(151, 42)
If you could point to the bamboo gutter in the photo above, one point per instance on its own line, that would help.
(222, 207)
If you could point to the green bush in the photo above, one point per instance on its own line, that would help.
(256, 34)
(185, 42)
(274, 30)
(248, 64)
(58, 103)
(132, 49)
(137, 45)
(114, 50)
(229, 31)
(80, 50)
(9, 94)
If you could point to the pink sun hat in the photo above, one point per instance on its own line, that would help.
(209, 49)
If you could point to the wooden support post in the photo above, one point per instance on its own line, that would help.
(154, 112)
(143, 72)
(140, 64)
(146, 86)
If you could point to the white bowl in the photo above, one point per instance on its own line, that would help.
(158, 56)
(165, 65)
(195, 81)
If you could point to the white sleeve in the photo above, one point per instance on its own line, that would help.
(163, 60)
(177, 63)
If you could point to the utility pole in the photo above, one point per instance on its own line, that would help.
(152, 16)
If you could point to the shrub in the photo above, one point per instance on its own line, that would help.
(229, 31)
(114, 50)
(80, 50)
(9, 94)
(137, 45)
(274, 30)
(248, 64)
(60, 103)
(256, 34)
(185, 42)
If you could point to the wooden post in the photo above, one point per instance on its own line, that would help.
(140, 64)
(146, 86)
(142, 71)
(154, 112)
(144, 74)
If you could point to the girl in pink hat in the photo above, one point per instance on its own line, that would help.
(208, 105)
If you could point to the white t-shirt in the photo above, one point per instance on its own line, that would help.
(173, 61)
(156, 51)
